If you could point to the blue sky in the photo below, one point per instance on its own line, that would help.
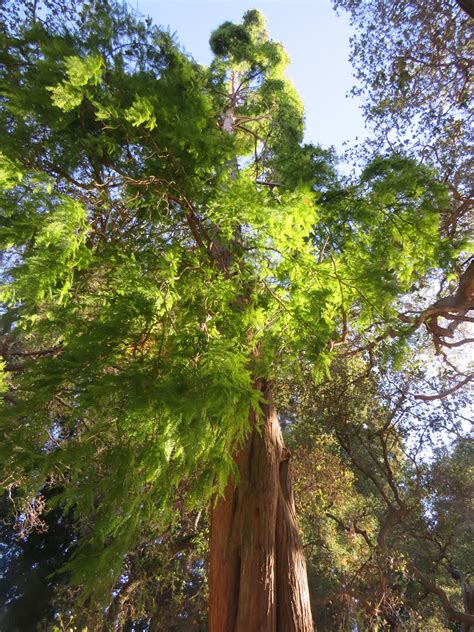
(316, 40)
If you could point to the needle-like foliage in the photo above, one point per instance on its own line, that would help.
(167, 239)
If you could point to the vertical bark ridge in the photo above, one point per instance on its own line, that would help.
(294, 606)
(257, 570)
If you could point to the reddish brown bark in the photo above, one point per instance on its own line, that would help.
(257, 569)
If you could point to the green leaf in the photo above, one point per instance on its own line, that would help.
(81, 72)
(85, 71)
(141, 113)
(10, 173)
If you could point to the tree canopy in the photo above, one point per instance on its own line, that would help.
(413, 63)
(168, 241)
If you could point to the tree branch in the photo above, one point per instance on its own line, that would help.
(467, 6)
(451, 613)
(449, 391)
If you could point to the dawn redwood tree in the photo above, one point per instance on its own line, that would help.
(169, 248)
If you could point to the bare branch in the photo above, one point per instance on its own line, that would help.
(449, 391)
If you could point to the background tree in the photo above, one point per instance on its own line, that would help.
(379, 551)
(413, 63)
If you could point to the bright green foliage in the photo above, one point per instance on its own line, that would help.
(80, 73)
(379, 227)
(141, 113)
(10, 173)
(167, 241)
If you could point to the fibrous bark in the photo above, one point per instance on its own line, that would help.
(257, 569)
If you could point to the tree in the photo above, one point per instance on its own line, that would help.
(170, 249)
(26, 583)
(162, 585)
(413, 65)
(386, 525)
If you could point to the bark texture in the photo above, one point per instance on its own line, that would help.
(468, 599)
(257, 569)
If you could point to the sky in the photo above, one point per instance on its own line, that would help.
(316, 40)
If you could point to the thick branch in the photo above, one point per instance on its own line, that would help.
(449, 391)
(451, 613)
(351, 529)
(467, 6)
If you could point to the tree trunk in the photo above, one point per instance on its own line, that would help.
(468, 599)
(257, 569)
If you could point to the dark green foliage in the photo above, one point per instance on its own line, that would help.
(377, 494)
(229, 37)
(29, 568)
